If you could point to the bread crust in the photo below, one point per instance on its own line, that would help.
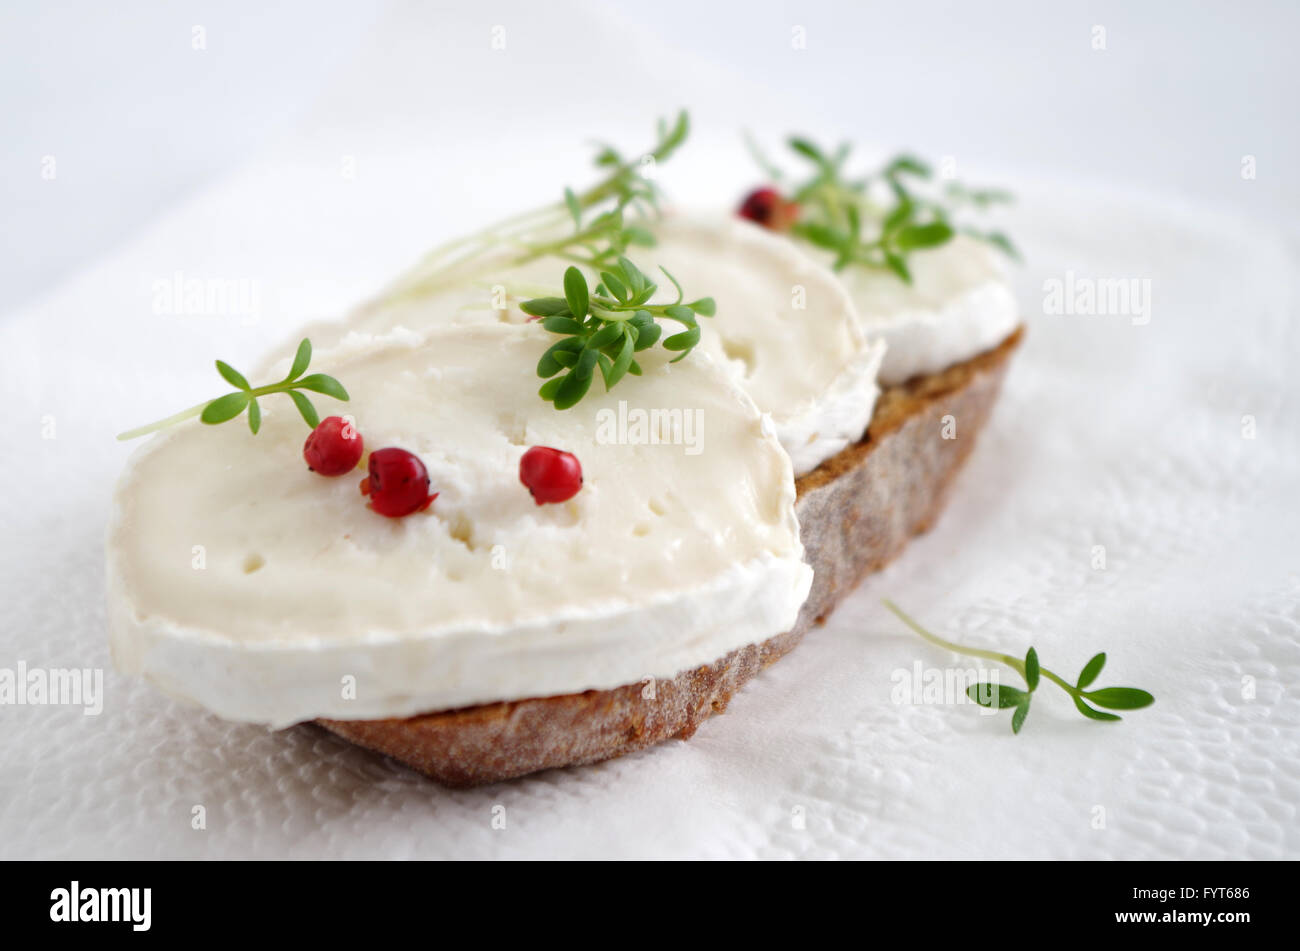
(856, 513)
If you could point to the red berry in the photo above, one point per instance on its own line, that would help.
(552, 475)
(334, 447)
(767, 207)
(398, 483)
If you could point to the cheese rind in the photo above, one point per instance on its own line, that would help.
(958, 305)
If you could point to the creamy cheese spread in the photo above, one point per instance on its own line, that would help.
(785, 324)
(241, 581)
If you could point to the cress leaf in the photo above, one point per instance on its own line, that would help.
(575, 292)
(615, 287)
(1092, 714)
(545, 307)
(680, 313)
(1018, 718)
(327, 385)
(808, 150)
(550, 388)
(224, 408)
(621, 364)
(996, 696)
(916, 237)
(1091, 670)
(605, 336)
(231, 375)
(562, 325)
(647, 337)
(633, 276)
(550, 364)
(896, 264)
(305, 408)
(573, 387)
(639, 236)
(575, 210)
(300, 360)
(1031, 669)
(1121, 698)
(683, 341)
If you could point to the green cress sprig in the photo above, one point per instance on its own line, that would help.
(607, 220)
(839, 215)
(245, 397)
(996, 696)
(605, 328)
(603, 239)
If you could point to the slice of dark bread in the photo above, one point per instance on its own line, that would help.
(856, 512)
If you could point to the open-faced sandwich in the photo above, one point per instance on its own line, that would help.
(741, 416)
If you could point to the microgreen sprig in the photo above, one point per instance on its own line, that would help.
(839, 215)
(604, 328)
(996, 696)
(245, 397)
(596, 243)
(607, 219)
(626, 183)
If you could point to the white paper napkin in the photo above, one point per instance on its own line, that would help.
(1167, 447)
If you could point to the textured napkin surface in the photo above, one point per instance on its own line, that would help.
(1112, 432)
(1134, 493)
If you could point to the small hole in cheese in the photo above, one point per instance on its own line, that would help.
(461, 529)
(741, 352)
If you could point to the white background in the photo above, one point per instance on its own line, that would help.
(137, 119)
(227, 162)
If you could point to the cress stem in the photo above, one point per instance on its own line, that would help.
(1067, 687)
(163, 423)
(1014, 663)
(516, 225)
(281, 387)
(520, 223)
